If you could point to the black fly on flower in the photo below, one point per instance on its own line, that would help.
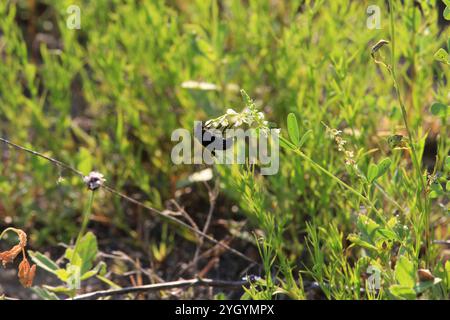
(250, 116)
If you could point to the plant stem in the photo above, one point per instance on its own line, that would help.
(339, 181)
(84, 223)
(393, 71)
(422, 187)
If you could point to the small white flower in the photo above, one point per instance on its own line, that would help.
(231, 112)
(238, 122)
(248, 120)
(224, 122)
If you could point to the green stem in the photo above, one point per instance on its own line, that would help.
(422, 188)
(368, 202)
(393, 71)
(84, 223)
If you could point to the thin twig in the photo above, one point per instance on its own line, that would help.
(186, 215)
(163, 286)
(129, 199)
(179, 222)
(212, 194)
(442, 242)
(207, 253)
(43, 156)
(3, 297)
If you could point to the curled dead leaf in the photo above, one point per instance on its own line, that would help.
(26, 273)
(9, 255)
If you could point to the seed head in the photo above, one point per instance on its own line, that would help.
(94, 180)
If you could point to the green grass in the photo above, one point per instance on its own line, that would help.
(108, 96)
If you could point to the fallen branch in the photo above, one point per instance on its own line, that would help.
(163, 286)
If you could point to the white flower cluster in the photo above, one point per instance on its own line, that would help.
(249, 116)
(336, 136)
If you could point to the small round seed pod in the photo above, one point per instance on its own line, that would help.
(94, 180)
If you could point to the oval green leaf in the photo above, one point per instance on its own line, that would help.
(372, 172)
(438, 109)
(292, 124)
(383, 167)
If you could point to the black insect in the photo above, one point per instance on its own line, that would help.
(215, 139)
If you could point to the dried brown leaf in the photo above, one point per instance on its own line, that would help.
(9, 255)
(26, 273)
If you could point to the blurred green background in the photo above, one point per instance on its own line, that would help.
(108, 96)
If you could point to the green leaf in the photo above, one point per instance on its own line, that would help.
(87, 250)
(387, 234)
(377, 170)
(286, 144)
(206, 49)
(74, 276)
(402, 292)
(405, 272)
(368, 228)
(441, 55)
(108, 282)
(76, 260)
(423, 286)
(99, 269)
(59, 289)
(372, 172)
(304, 138)
(42, 261)
(45, 294)
(85, 163)
(436, 190)
(438, 109)
(293, 130)
(62, 274)
(447, 13)
(383, 167)
(358, 241)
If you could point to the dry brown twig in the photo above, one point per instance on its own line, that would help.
(212, 195)
(127, 198)
(163, 286)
